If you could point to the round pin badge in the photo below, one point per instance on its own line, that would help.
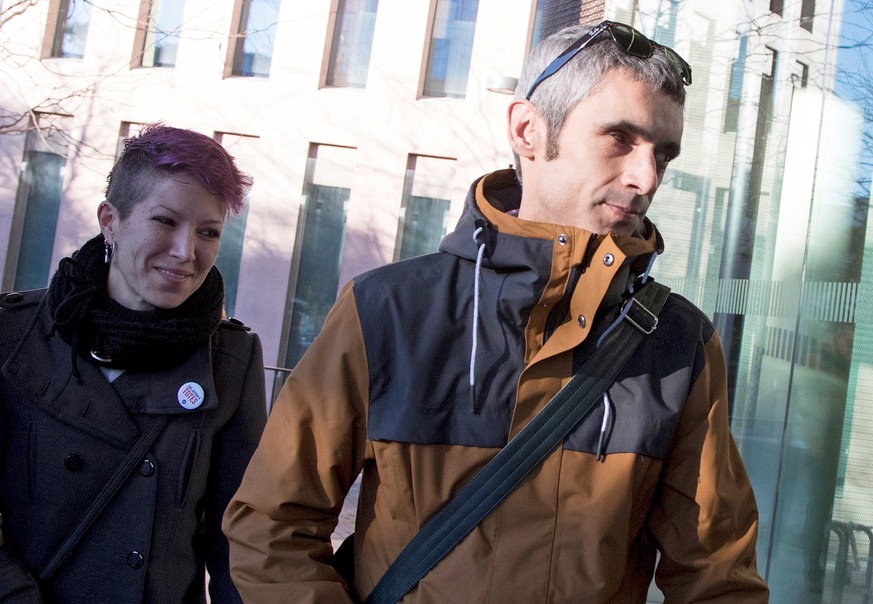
(190, 395)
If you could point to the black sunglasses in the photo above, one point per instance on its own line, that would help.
(626, 38)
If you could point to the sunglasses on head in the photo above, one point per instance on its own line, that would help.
(627, 39)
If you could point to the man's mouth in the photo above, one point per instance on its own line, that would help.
(629, 211)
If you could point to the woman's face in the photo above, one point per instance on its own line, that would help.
(164, 249)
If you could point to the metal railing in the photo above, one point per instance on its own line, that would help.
(845, 532)
(274, 385)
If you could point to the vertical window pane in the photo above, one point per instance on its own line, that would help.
(257, 32)
(552, 15)
(162, 33)
(425, 205)
(352, 42)
(71, 30)
(127, 130)
(244, 151)
(807, 14)
(451, 47)
(38, 202)
(738, 70)
(319, 244)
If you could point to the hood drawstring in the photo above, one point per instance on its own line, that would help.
(645, 276)
(476, 279)
(607, 406)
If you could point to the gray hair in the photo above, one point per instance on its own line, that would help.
(556, 96)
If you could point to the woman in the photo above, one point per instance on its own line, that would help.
(124, 366)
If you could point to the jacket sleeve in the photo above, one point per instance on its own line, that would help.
(233, 447)
(704, 517)
(17, 584)
(280, 522)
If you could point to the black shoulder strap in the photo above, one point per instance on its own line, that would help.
(134, 457)
(484, 492)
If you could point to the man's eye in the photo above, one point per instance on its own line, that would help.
(620, 137)
(663, 158)
(164, 220)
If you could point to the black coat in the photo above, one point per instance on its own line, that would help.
(61, 439)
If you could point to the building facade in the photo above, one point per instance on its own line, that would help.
(363, 122)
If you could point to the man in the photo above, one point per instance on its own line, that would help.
(426, 368)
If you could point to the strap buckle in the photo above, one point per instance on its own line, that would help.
(643, 319)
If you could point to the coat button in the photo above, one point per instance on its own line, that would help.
(74, 462)
(147, 467)
(13, 297)
(563, 239)
(608, 259)
(135, 559)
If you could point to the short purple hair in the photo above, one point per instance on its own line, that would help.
(160, 150)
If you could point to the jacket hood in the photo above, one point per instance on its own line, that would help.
(491, 204)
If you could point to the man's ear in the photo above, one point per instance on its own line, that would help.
(107, 218)
(525, 129)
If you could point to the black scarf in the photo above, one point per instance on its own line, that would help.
(106, 333)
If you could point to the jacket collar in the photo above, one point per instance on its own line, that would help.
(490, 203)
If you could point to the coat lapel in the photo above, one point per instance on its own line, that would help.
(42, 368)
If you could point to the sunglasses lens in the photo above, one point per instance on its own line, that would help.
(682, 67)
(631, 41)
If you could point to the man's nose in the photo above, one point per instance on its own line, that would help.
(641, 172)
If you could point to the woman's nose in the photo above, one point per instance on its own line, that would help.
(183, 245)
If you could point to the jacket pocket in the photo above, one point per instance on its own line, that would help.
(186, 469)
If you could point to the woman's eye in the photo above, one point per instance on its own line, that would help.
(211, 233)
(164, 220)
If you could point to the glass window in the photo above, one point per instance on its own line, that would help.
(807, 14)
(37, 203)
(767, 228)
(352, 42)
(802, 74)
(735, 91)
(244, 151)
(319, 244)
(163, 27)
(551, 16)
(425, 205)
(451, 47)
(126, 131)
(253, 50)
(71, 29)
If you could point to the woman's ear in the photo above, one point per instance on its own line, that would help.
(107, 218)
(524, 128)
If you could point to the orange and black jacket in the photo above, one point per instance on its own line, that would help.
(394, 386)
